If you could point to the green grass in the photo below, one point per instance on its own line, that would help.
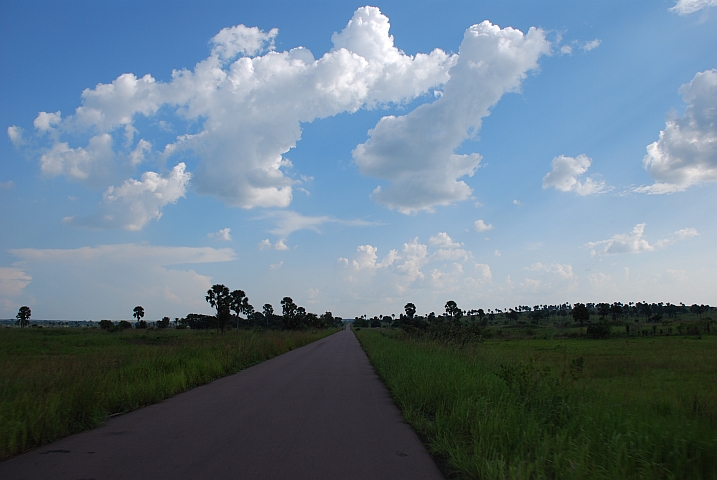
(55, 382)
(636, 408)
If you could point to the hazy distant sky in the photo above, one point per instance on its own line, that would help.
(355, 158)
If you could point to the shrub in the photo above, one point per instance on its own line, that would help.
(598, 330)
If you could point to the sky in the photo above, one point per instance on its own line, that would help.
(353, 157)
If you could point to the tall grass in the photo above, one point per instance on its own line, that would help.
(494, 411)
(55, 382)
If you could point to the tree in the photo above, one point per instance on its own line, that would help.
(410, 310)
(219, 297)
(290, 313)
(239, 303)
(138, 312)
(481, 316)
(268, 313)
(453, 310)
(164, 323)
(603, 310)
(23, 316)
(581, 313)
(616, 310)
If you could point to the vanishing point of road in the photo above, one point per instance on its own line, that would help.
(317, 412)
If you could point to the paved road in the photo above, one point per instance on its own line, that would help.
(318, 412)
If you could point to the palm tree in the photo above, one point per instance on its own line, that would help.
(138, 313)
(219, 297)
(23, 316)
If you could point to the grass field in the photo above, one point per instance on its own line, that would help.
(55, 382)
(567, 408)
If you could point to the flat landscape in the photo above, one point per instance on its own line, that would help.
(526, 407)
(318, 411)
(500, 399)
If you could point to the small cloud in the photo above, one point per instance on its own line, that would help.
(685, 7)
(497, 253)
(591, 45)
(7, 185)
(517, 203)
(598, 279)
(481, 226)
(679, 275)
(479, 204)
(16, 135)
(566, 50)
(635, 242)
(72, 198)
(313, 293)
(266, 244)
(565, 173)
(274, 266)
(223, 234)
(443, 240)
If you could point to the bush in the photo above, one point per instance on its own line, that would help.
(107, 325)
(598, 330)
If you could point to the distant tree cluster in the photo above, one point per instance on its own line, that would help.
(599, 318)
(234, 310)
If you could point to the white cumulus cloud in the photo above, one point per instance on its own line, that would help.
(686, 153)
(238, 111)
(223, 234)
(481, 226)
(685, 7)
(591, 45)
(565, 172)
(136, 202)
(635, 242)
(415, 152)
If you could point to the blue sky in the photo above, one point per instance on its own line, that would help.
(356, 158)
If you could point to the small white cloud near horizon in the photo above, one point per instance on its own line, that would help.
(12, 282)
(565, 172)
(7, 185)
(635, 242)
(155, 277)
(481, 226)
(685, 7)
(686, 153)
(224, 234)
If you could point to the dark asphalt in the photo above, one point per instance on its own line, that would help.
(318, 412)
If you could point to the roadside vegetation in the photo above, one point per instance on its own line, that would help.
(501, 398)
(59, 381)
(55, 382)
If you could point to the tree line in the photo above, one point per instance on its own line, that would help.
(581, 313)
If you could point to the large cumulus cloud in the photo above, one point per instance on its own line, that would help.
(416, 152)
(686, 152)
(241, 110)
(238, 112)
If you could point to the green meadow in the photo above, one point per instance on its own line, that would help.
(572, 408)
(55, 382)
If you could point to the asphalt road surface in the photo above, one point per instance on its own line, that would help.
(318, 412)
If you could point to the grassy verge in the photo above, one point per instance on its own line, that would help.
(55, 382)
(558, 408)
